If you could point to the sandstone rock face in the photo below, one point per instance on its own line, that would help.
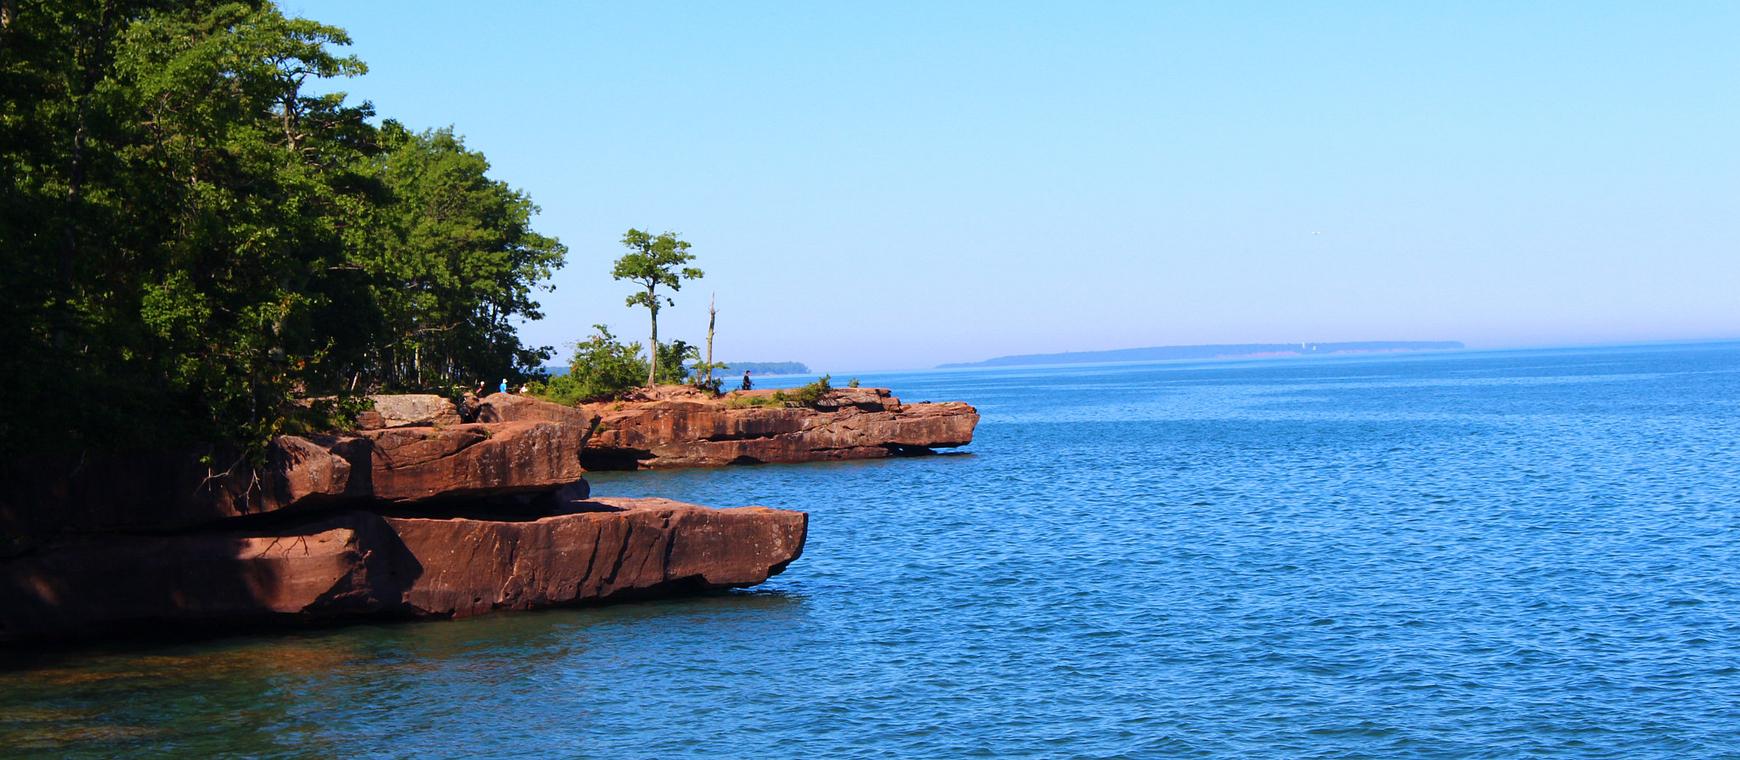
(539, 450)
(89, 586)
(409, 410)
(850, 423)
(403, 520)
(415, 464)
(627, 547)
(867, 399)
(359, 562)
(302, 469)
(507, 407)
(170, 489)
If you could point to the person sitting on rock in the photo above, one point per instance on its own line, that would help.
(747, 385)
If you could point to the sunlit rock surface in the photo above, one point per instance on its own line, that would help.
(536, 448)
(690, 430)
(434, 520)
(362, 563)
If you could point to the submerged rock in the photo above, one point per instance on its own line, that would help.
(693, 431)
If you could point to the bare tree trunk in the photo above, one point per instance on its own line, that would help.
(652, 372)
(712, 315)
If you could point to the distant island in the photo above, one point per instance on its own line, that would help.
(1161, 353)
(770, 368)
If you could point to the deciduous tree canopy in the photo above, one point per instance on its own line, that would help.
(652, 261)
(193, 240)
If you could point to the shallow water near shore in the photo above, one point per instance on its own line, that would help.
(1451, 555)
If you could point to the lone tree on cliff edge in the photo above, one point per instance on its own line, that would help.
(651, 262)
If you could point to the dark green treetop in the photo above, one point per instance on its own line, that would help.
(171, 220)
(453, 261)
(194, 241)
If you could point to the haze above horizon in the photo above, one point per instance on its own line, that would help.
(900, 186)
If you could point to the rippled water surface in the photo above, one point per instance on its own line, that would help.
(1469, 555)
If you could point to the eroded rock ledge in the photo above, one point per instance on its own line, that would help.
(363, 563)
(674, 428)
(518, 446)
(421, 513)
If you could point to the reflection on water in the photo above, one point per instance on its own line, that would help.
(284, 694)
(1512, 555)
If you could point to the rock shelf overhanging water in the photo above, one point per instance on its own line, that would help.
(362, 563)
(406, 519)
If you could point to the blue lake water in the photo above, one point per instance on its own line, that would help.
(1527, 554)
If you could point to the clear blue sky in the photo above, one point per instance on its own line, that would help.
(883, 186)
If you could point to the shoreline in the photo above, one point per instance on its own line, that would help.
(430, 509)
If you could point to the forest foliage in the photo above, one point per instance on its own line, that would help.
(196, 235)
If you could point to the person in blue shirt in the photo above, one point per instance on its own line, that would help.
(504, 385)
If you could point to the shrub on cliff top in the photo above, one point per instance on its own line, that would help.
(603, 367)
(811, 393)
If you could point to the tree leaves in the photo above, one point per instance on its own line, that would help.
(649, 263)
(193, 241)
(454, 262)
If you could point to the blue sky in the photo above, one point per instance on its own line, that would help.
(886, 186)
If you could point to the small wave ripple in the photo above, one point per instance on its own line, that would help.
(1507, 555)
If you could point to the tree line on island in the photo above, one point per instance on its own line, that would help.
(201, 246)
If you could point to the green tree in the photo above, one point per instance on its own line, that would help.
(453, 262)
(673, 358)
(653, 261)
(194, 242)
(171, 218)
(600, 367)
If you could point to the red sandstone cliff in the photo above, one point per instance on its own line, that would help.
(429, 509)
(363, 563)
(675, 428)
(421, 515)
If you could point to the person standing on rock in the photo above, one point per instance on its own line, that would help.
(747, 385)
(504, 385)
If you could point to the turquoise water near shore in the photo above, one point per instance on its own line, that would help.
(1513, 554)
